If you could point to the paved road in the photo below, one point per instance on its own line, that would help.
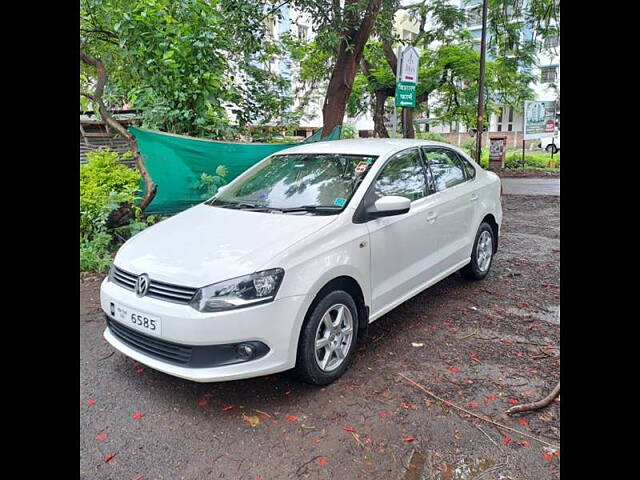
(531, 186)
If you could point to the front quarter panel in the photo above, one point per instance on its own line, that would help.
(339, 249)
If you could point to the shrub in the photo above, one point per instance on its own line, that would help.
(348, 131)
(433, 136)
(105, 184)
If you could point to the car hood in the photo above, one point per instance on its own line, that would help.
(205, 244)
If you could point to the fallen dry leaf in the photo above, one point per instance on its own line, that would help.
(251, 420)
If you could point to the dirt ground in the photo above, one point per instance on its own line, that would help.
(480, 346)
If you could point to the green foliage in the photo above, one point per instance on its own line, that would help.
(209, 184)
(433, 136)
(105, 185)
(95, 253)
(182, 61)
(348, 131)
(543, 161)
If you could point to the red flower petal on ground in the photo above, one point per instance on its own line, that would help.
(408, 439)
(453, 370)
(383, 414)
(292, 418)
(513, 400)
(90, 402)
(474, 404)
(138, 477)
(322, 462)
(547, 456)
(506, 440)
(405, 405)
(101, 437)
(108, 458)
(288, 392)
(349, 429)
(138, 415)
(524, 443)
(230, 407)
(469, 381)
(519, 354)
(523, 421)
(139, 371)
(202, 403)
(207, 395)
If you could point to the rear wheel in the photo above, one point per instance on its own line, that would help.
(481, 255)
(328, 339)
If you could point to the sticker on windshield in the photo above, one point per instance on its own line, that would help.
(361, 167)
(368, 160)
(340, 201)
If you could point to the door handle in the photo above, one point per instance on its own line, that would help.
(474, 197)
(431, 217)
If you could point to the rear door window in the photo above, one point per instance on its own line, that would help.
(447, 169)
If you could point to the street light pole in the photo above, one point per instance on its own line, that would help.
(483, 42)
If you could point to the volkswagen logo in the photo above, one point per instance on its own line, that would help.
(142, 285)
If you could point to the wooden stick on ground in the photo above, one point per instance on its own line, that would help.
(485, 419)
(526, 407)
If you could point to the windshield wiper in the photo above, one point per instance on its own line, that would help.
(311, 208)
(243, 206)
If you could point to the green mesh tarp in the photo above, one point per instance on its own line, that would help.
(176, 164)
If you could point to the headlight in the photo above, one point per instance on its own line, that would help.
(253, 289)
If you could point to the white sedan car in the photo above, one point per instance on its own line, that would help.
(288, 264)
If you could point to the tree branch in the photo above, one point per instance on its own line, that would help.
(151, 187)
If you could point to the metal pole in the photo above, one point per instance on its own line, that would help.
(523, 153)
(395, 109)
(483, 42)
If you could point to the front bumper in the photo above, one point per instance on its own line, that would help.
(276, 325)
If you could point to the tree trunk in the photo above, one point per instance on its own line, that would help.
(378, 114)
(349, 57)
(123, 213)
(407, 123)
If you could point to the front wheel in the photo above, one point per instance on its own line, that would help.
(552, 148)
(481, 255)
(328, 339)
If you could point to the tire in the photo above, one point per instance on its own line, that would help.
(309, 361)
(479, 268)
(551, 149)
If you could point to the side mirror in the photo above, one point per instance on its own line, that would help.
(389, 206)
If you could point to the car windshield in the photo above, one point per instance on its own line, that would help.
(315, 183)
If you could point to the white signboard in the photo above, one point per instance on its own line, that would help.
(408, 65)
(539, 119)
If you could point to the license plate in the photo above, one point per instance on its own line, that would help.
(136, 319)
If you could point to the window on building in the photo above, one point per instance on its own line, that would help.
(303, 32)
(474, 16)
(510, 124)
(549, 74)
(505, 119)
(552, 41)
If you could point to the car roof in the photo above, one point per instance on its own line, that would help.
(362, 146)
